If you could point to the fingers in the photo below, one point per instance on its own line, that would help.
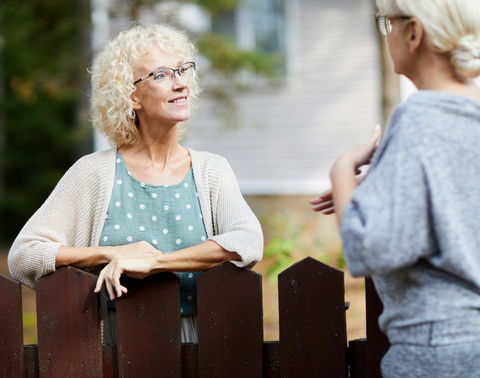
(374, 138)
(100, 281)
(110, 275)
(326, 196)
(325, 208)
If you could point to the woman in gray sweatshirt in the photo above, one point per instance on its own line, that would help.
(413, 224)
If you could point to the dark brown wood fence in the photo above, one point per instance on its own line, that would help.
(313, 339)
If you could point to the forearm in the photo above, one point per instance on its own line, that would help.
(344, 184)
(84, 257)
(201, 257)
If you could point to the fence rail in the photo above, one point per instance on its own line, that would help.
(313, 339)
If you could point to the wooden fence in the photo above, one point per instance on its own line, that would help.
(313, 340)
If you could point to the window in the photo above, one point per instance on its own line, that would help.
(256, 25)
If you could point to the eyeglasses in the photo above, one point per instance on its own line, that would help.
(384, 23)
(165, 75)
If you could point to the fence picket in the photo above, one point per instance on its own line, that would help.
(190, 361)
(230, 318)
(11, 329)
(271, 359)
(68, 325)
(312, 321)
(377, 341)
(357, 358)
(109, 361)
(148, 327)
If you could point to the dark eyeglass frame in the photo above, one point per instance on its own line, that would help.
(384, 24)
(157, 72)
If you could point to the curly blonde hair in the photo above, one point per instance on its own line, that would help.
(111, 103)
(451, 27)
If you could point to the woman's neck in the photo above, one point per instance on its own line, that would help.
(156, 147)
(157, 158)
(436, 73)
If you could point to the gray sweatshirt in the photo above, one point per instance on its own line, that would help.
(414, 222)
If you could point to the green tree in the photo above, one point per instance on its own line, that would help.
(43, 74)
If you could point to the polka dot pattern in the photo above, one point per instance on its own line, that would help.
(166, 216)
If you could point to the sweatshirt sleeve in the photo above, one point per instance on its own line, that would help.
(387, 225)
(238, 229)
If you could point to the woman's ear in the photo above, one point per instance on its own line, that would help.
(136, 98)
(415, 34)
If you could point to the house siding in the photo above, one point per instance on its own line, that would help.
(289, 135)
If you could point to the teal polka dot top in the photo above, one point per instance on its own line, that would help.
(167, 216)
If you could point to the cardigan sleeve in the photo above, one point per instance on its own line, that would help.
(237, 229)
(387, 226)
(66, 218)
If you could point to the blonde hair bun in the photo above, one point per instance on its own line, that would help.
(466, 57)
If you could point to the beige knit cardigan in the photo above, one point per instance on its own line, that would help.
(74, 214)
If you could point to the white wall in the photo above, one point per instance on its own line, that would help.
(290, 135)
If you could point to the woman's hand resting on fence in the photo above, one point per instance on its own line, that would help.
(148, 260)
(139, 266)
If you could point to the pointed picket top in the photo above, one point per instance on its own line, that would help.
(11, 328)
(230, 319)
(312, 320)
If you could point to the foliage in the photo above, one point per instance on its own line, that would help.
(227, 58)
(284, 244)
(215, 6)
(40, 73)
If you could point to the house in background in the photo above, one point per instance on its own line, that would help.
(290, 130)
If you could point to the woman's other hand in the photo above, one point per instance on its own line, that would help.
(345, 168)
(361, 154)
(324, 202)
(134, 260)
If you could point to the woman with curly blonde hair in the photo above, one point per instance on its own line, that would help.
(148, 205)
